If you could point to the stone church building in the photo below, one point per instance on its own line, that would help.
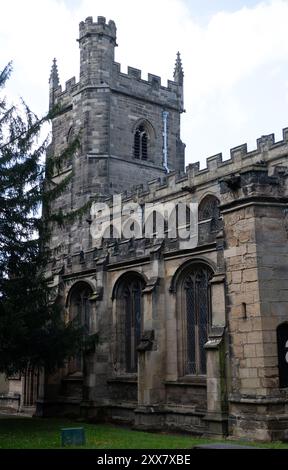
(179, 335)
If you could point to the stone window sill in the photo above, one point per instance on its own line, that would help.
(123, 379)
(73, 378)
(188, 381)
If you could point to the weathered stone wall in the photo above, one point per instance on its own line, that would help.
(105, 106)
(247, 255)
(256, 266)
(254, 233)
(243, 299)
(127, 111)
(272, 250)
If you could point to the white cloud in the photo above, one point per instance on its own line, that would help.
(223, 59)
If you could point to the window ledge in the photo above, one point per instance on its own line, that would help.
(73, 378)
(188, 381)
(123, 379)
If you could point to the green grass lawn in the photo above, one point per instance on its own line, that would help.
(36, 433)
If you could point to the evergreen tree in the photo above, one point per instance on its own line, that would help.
(32, 328)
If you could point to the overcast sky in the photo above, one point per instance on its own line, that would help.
(234, 54)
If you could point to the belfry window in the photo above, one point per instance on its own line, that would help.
(141, 143)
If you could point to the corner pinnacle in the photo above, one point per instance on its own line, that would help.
(54, 77)
(178, 71)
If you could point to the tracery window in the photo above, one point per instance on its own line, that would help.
(209, 217)
(141, 143)
(80, 315)
(129, 321)
(195, 294)
(80, 306)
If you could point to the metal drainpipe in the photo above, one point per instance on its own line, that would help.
(165, 115)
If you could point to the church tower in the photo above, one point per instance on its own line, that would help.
(130, 127)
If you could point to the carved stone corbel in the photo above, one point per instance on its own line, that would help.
(146, 341)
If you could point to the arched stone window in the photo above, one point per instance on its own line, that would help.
(141, 142)
(80, 313)
(71, 143)
(129, 321)
(194, 318)
(209, 218)
(80, 306)
(144, 140)
(70, 135)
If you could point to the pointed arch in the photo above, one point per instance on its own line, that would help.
(209, 208)
(80, 313)
(193, 318)
(79, 305)
(185, 267)
(144, 135)
(123, 277)
(127, 293)
(71, 134)
(147, 125)
(209, 219)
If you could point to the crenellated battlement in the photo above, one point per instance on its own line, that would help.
(98, 68)
(69, 84)
(133, 80)
(266, 147)
(136, 75)
(124, 83)
(88, 27)
(133, 73)
(273, 154)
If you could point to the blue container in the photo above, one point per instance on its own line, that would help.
(72, 437)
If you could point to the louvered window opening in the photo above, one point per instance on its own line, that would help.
(141, 143)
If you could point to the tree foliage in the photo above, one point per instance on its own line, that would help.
(32, 328)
